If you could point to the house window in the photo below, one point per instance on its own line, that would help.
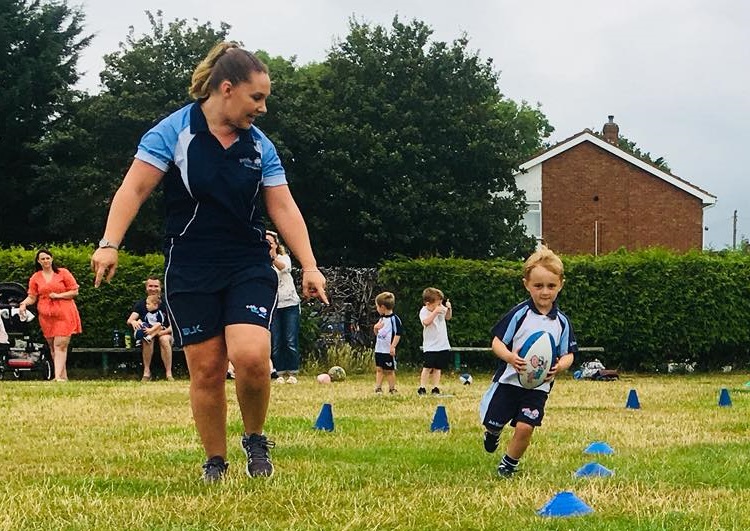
(532, 219)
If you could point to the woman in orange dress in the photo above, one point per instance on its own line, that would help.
(53, 289)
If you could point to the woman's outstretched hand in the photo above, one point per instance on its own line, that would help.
(103, 265)
(314, 285)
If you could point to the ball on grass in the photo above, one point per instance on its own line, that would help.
(324, 378)
(466, 378)
(337, 374)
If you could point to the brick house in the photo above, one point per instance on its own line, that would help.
(588, 196)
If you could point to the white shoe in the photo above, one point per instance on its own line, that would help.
(280, 380)
(291, 380)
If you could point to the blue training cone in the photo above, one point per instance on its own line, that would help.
(565, 504)
(593, 469)
(633, 402)
(325, 418)
(599, 447)
(440, 420)
(724, 400)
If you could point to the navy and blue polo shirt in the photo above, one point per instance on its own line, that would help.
(519, 323)
(211, 193)
(391, 327)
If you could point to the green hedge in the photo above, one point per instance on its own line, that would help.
(645, 308)
(108, 307)
(102, 310)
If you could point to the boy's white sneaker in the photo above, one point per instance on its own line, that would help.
(291, 380)
(280, 380)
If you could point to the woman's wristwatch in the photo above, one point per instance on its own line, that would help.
(104, 243)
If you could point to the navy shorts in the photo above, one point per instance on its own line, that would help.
(440, 359)
(203, 300)
(385, 361)
(503, 403)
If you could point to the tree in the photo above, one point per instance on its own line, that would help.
(632, 148)
(40, 43)
(94, 142)
(393, 145)
(402, 146)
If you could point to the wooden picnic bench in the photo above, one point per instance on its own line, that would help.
(105, 353)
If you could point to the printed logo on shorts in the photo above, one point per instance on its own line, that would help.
(533, 414)
(189, 331)
(260, 311)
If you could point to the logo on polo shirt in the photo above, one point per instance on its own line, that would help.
(253, 164)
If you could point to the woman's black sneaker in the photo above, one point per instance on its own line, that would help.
(214, 469)
(258, 459)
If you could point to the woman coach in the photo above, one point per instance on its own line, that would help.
(219, 284)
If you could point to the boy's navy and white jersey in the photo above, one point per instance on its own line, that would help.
(384, 338)
(154, 318)
(140, 308)
(210, 192)
(519, 323)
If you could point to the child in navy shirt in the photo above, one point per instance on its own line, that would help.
(506, 400)
(388, 334)
(153, 321)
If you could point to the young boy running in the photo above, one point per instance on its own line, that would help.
(506, 400)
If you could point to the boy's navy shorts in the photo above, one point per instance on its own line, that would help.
(203, 300)
(503, 403)
(385, 361)
(440, 359)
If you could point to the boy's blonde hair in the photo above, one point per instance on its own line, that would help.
(547, 259)
(432, 295)
(153, 299)
(386, 299)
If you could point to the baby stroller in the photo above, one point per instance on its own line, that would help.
(18, 353)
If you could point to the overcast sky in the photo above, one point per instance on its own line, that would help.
(675, 74)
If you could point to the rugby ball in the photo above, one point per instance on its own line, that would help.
(539, 352)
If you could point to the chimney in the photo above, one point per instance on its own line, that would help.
(611, 130)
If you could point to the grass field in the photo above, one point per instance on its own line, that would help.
(124, 455)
